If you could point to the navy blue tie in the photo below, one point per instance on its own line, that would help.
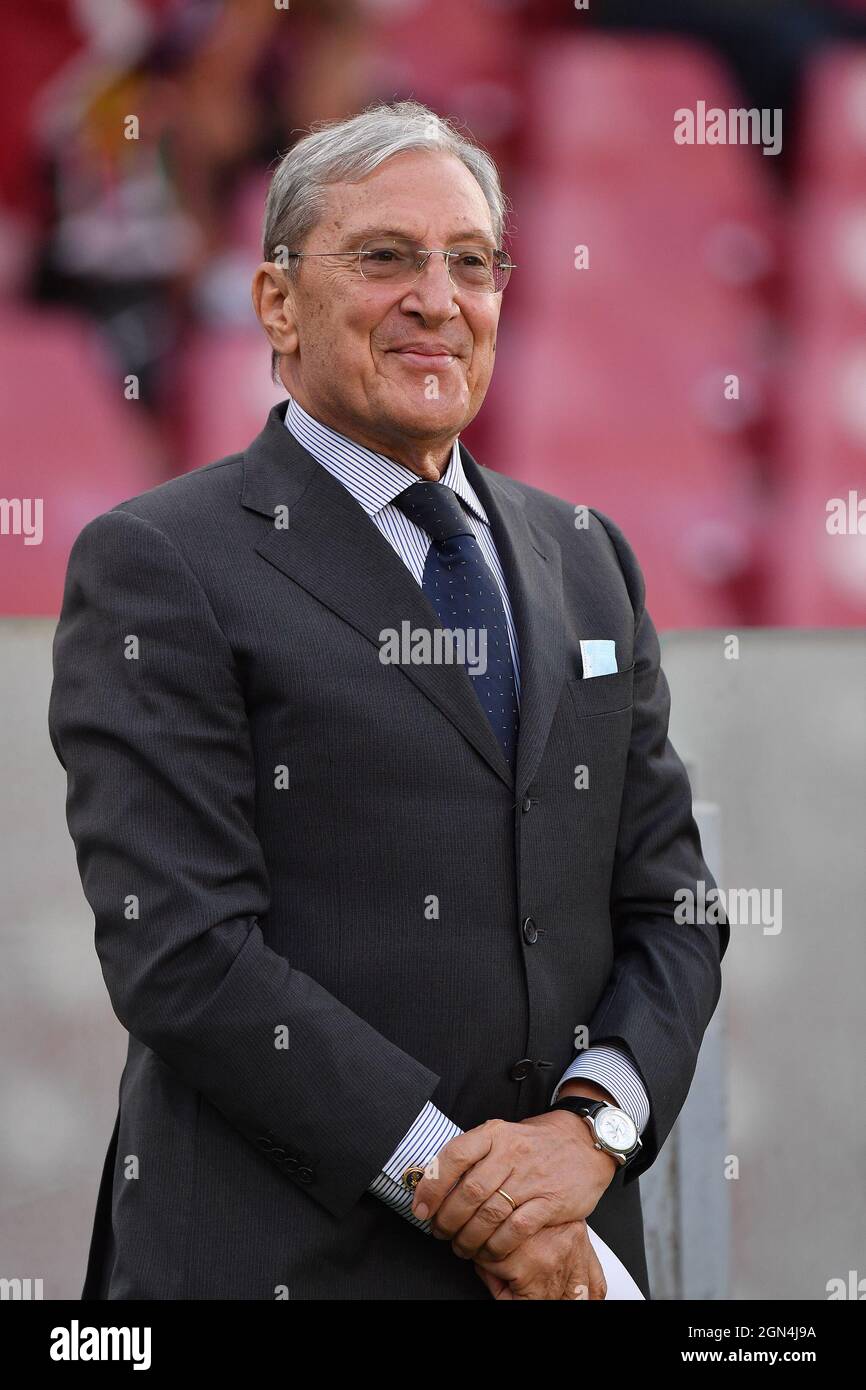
(460, 585)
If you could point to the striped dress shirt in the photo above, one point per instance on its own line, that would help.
(374, 481)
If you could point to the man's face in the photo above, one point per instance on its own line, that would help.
(351, 366)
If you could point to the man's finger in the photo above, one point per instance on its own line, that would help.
(476, 1195)
(597, 1281)
(447, 1167)
(515, 1229)
(498, 1287)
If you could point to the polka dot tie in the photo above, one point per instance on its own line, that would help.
(461, 587)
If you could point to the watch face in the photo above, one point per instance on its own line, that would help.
(616, 1128)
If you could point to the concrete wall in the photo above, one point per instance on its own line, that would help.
(777, 738)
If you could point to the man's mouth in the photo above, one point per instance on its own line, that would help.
(428, 358)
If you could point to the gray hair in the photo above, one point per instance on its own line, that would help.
(348, 150)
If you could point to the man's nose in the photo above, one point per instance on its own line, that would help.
(433, 290)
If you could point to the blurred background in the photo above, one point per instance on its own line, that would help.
(702, 380)
(132, 257)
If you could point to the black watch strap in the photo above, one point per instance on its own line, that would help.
(580, 1105)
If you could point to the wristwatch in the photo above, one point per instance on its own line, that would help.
(613, 1130)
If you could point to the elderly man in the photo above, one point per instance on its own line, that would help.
(373, 801)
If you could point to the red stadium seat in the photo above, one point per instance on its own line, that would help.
(225, 392)
(827, 260)
(818, 576)
(461, 59)
(602, 108)
(71, 440)
(611, 386)
(833, 144)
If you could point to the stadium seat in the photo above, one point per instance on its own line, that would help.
(71, 440)
(225, 392)
(612, 387)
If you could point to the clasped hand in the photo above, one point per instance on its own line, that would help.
(550, 1168)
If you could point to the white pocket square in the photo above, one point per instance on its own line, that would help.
(599, 656)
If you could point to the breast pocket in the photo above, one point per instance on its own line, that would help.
(602, 694)
(602, 709)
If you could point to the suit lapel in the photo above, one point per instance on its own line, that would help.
(332, 549)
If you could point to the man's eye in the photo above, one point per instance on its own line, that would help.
(383, 254)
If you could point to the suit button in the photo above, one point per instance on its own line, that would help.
(278, 1154)
(526, 804)
(521, 1069)
(530, 930)
(305, 1175)
(290, 1164)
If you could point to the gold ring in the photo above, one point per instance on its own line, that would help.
(504, 1194)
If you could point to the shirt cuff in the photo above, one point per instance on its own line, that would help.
(616, 1072)
(429, 1134)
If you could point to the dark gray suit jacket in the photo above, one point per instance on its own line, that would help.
(230, 906)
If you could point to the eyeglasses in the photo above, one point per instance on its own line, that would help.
(399, 261)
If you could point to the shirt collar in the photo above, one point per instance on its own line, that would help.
(373, 480)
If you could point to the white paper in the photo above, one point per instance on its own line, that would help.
(619, 1282)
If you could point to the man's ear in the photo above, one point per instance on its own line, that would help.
(273, 302)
